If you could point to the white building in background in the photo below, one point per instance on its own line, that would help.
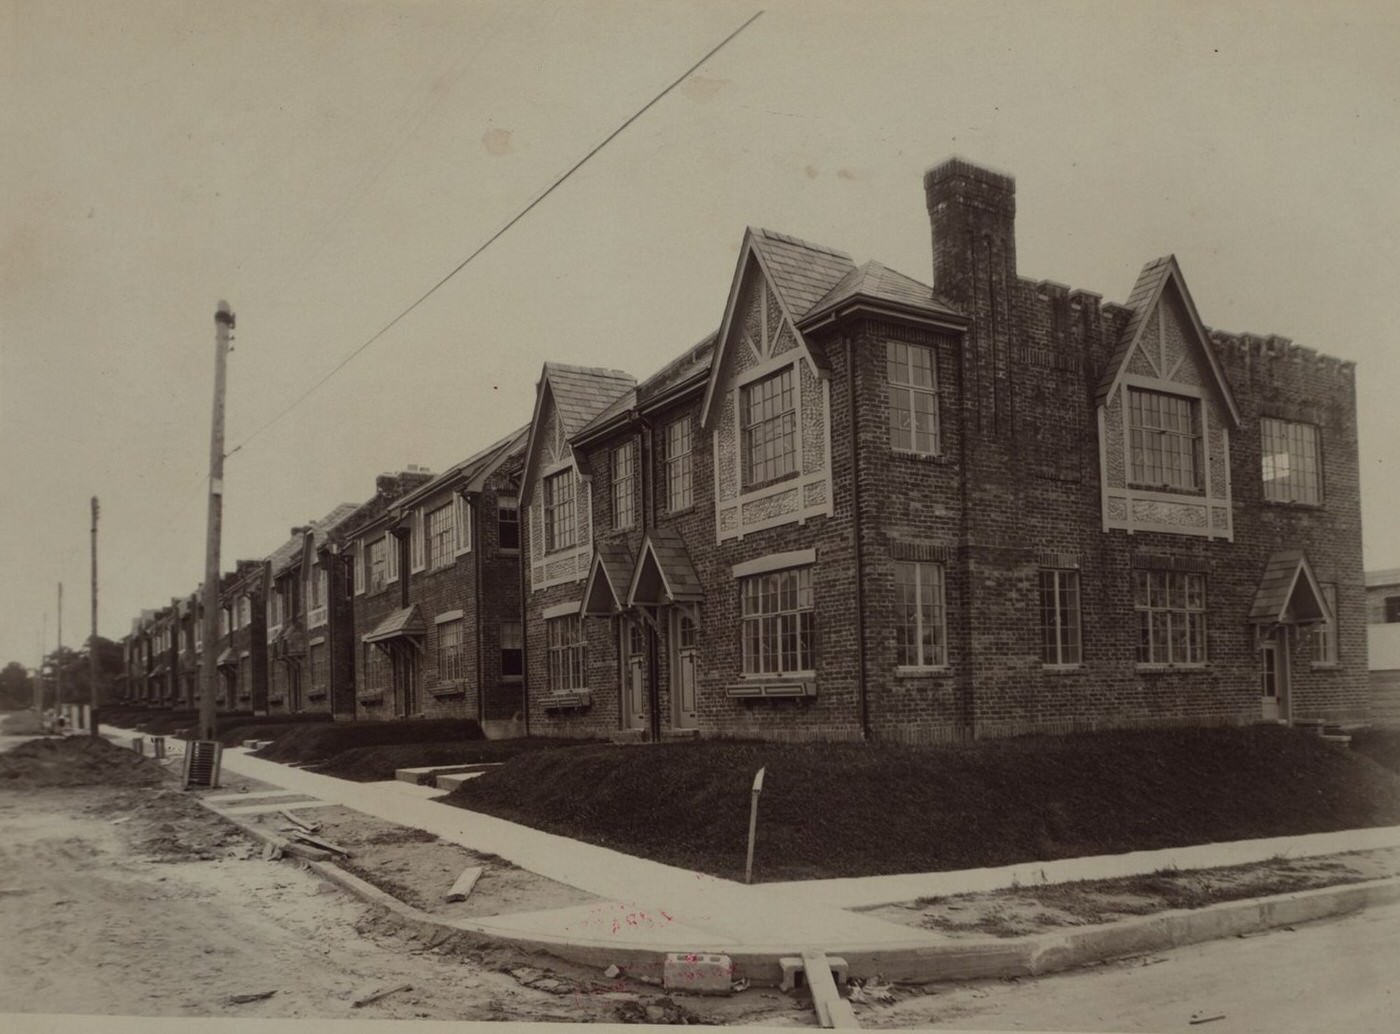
(1383, 636)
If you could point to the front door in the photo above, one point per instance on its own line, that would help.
(1273, 675)
(634, 679)
(406, 681)
(685, 639)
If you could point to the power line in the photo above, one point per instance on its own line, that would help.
(494, 237)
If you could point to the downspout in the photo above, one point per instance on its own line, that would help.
(653, 646)
(862, 700)
(521, 569)
(473, 500)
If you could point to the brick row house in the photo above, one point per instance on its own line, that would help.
(985, 507)
(436, 596)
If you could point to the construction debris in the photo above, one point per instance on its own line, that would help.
(324, 845)
(465, 882)
(302, 824)
(375, 996)
(256, 996)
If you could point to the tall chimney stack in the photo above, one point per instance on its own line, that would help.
(972, 212)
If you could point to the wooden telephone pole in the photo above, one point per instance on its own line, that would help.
(93, 665)
(209, 666)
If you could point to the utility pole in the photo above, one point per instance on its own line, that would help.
(58, 658)
(39, 671)
(93, 665)
(208, 667)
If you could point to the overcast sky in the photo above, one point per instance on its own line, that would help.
(322, 164)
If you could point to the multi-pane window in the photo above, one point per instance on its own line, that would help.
(679, 493)
(1323, 636)
(1291, 462)
(559, 511)
(508, 523)
(623, 487)
(1059, 617)
(566, 653)
(912, 376)
(316, 659)
(921, 639)
(442, 537)
(1171, 610)
(376, 669)
(376, 563)
(1165, 440)
(512, 650)
(777, 622)
(449, 650)
(768, 413)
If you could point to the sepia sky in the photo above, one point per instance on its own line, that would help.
(322, 163)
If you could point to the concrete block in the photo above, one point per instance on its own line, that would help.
(700, 974)
(465, 883)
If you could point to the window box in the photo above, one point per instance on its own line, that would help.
(275, 700)
(370, 699)
(574, 700)
(448, 692)
(315, 696)
(755, 689)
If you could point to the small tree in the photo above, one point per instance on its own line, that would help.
(16, 687)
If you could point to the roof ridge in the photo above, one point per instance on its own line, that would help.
(551, 364)
(788, 238)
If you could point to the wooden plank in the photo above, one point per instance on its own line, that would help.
(465, 883)
(832, 1010)
(324, 845)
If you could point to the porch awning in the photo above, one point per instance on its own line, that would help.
(406, 623)
(664, 573)
(227, 659)
(607, 580)
(1288, 592)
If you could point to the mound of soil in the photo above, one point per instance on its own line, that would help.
(872, 809)
(320, 741)
(370, 764)
(1380, 745)
(76, 761)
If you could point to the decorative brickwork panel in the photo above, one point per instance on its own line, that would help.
(1138, 363)
(814, 494)
(755, 511)
(814, 419)
(784, 340)
(1185, 515)
(1115, 475)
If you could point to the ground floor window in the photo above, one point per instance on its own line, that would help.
(1059, 618)
(376, 669)
(512, 650)
(1323, 636)
(449, 650)
(777, 622)
(566, 654)
(1171, 611)
(921, 639)
(317, 663)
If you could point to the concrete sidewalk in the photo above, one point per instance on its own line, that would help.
(651, 909)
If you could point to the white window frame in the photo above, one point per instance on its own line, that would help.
(1322, 637)
(1157, 592)
(451, 667)
(566, 650)
(765, 631)
(373, 584)
(560, 515)
(623, 468)
(901, 383)
(360, 574)
(462, 522)
(417, 543)
(1290, 454)
(1061, 623)
(789, 418)
(930, 615)
(439, 544)
(391, 558)
(508, 504)
(680, 444)
(1141, 436)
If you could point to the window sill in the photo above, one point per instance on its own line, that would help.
(679, 511)
(371, 698)
(1167, 669)
(448, 692)
(758, 486)
(756, 689)
(1324, 665)
(1293, 504)
(1061, 669)
(936, 458)
(910, 671)
(313, 697)
(573, 700)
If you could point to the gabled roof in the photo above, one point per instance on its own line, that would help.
(878, 283)
(1288, 592)
(801, 273)
(693, 363)
(473, 470)
(664, 572)
(1385, 576)
(606, 587)
(290, 551)
(1151, 284)
(578, 394)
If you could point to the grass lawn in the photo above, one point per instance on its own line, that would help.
(1380, 745)
(870, 809)
(367, 764)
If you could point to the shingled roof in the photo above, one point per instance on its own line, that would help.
(694, 361)
(582, 392)
(801, 272)
(285, 554)
(880, 283)
(1288, 592)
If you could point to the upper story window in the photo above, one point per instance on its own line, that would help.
(442, 537)
(508, 522)
(1392, 610)
(768, 415)
(1292, 462)
(1165, 441)
(376, 564)
(512, 651)
(623, 483)
(1059, 618)
(1171, 610)
(912, 376)
(679, 493)
(559, 511)
(777, 619)
(921, 639)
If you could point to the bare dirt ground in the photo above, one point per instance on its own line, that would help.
(1024, 911)
(137, 900)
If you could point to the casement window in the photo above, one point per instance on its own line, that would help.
(377, 563)
(462, 524)
(391, 557)
(679, 493)
(512, 650)
(768, 411)
(624, 481)
(1292, 462)
(316, 660)
(566, 653)
(417, 542)
(1059, 618)
(508, 522)
(921, 639)
(559, 511)
(777, 620)
(442, 537)
(1164, 440)
(450, 661)
(1322, 637)
(1171, 610)
(223, 622)
(1392, 610)
(359, 563)
(376, 669)
(912, 376)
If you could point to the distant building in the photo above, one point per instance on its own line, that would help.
(1383, 636)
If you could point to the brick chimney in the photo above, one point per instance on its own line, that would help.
(972, 211)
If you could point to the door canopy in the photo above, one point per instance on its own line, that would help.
(1288, 592)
